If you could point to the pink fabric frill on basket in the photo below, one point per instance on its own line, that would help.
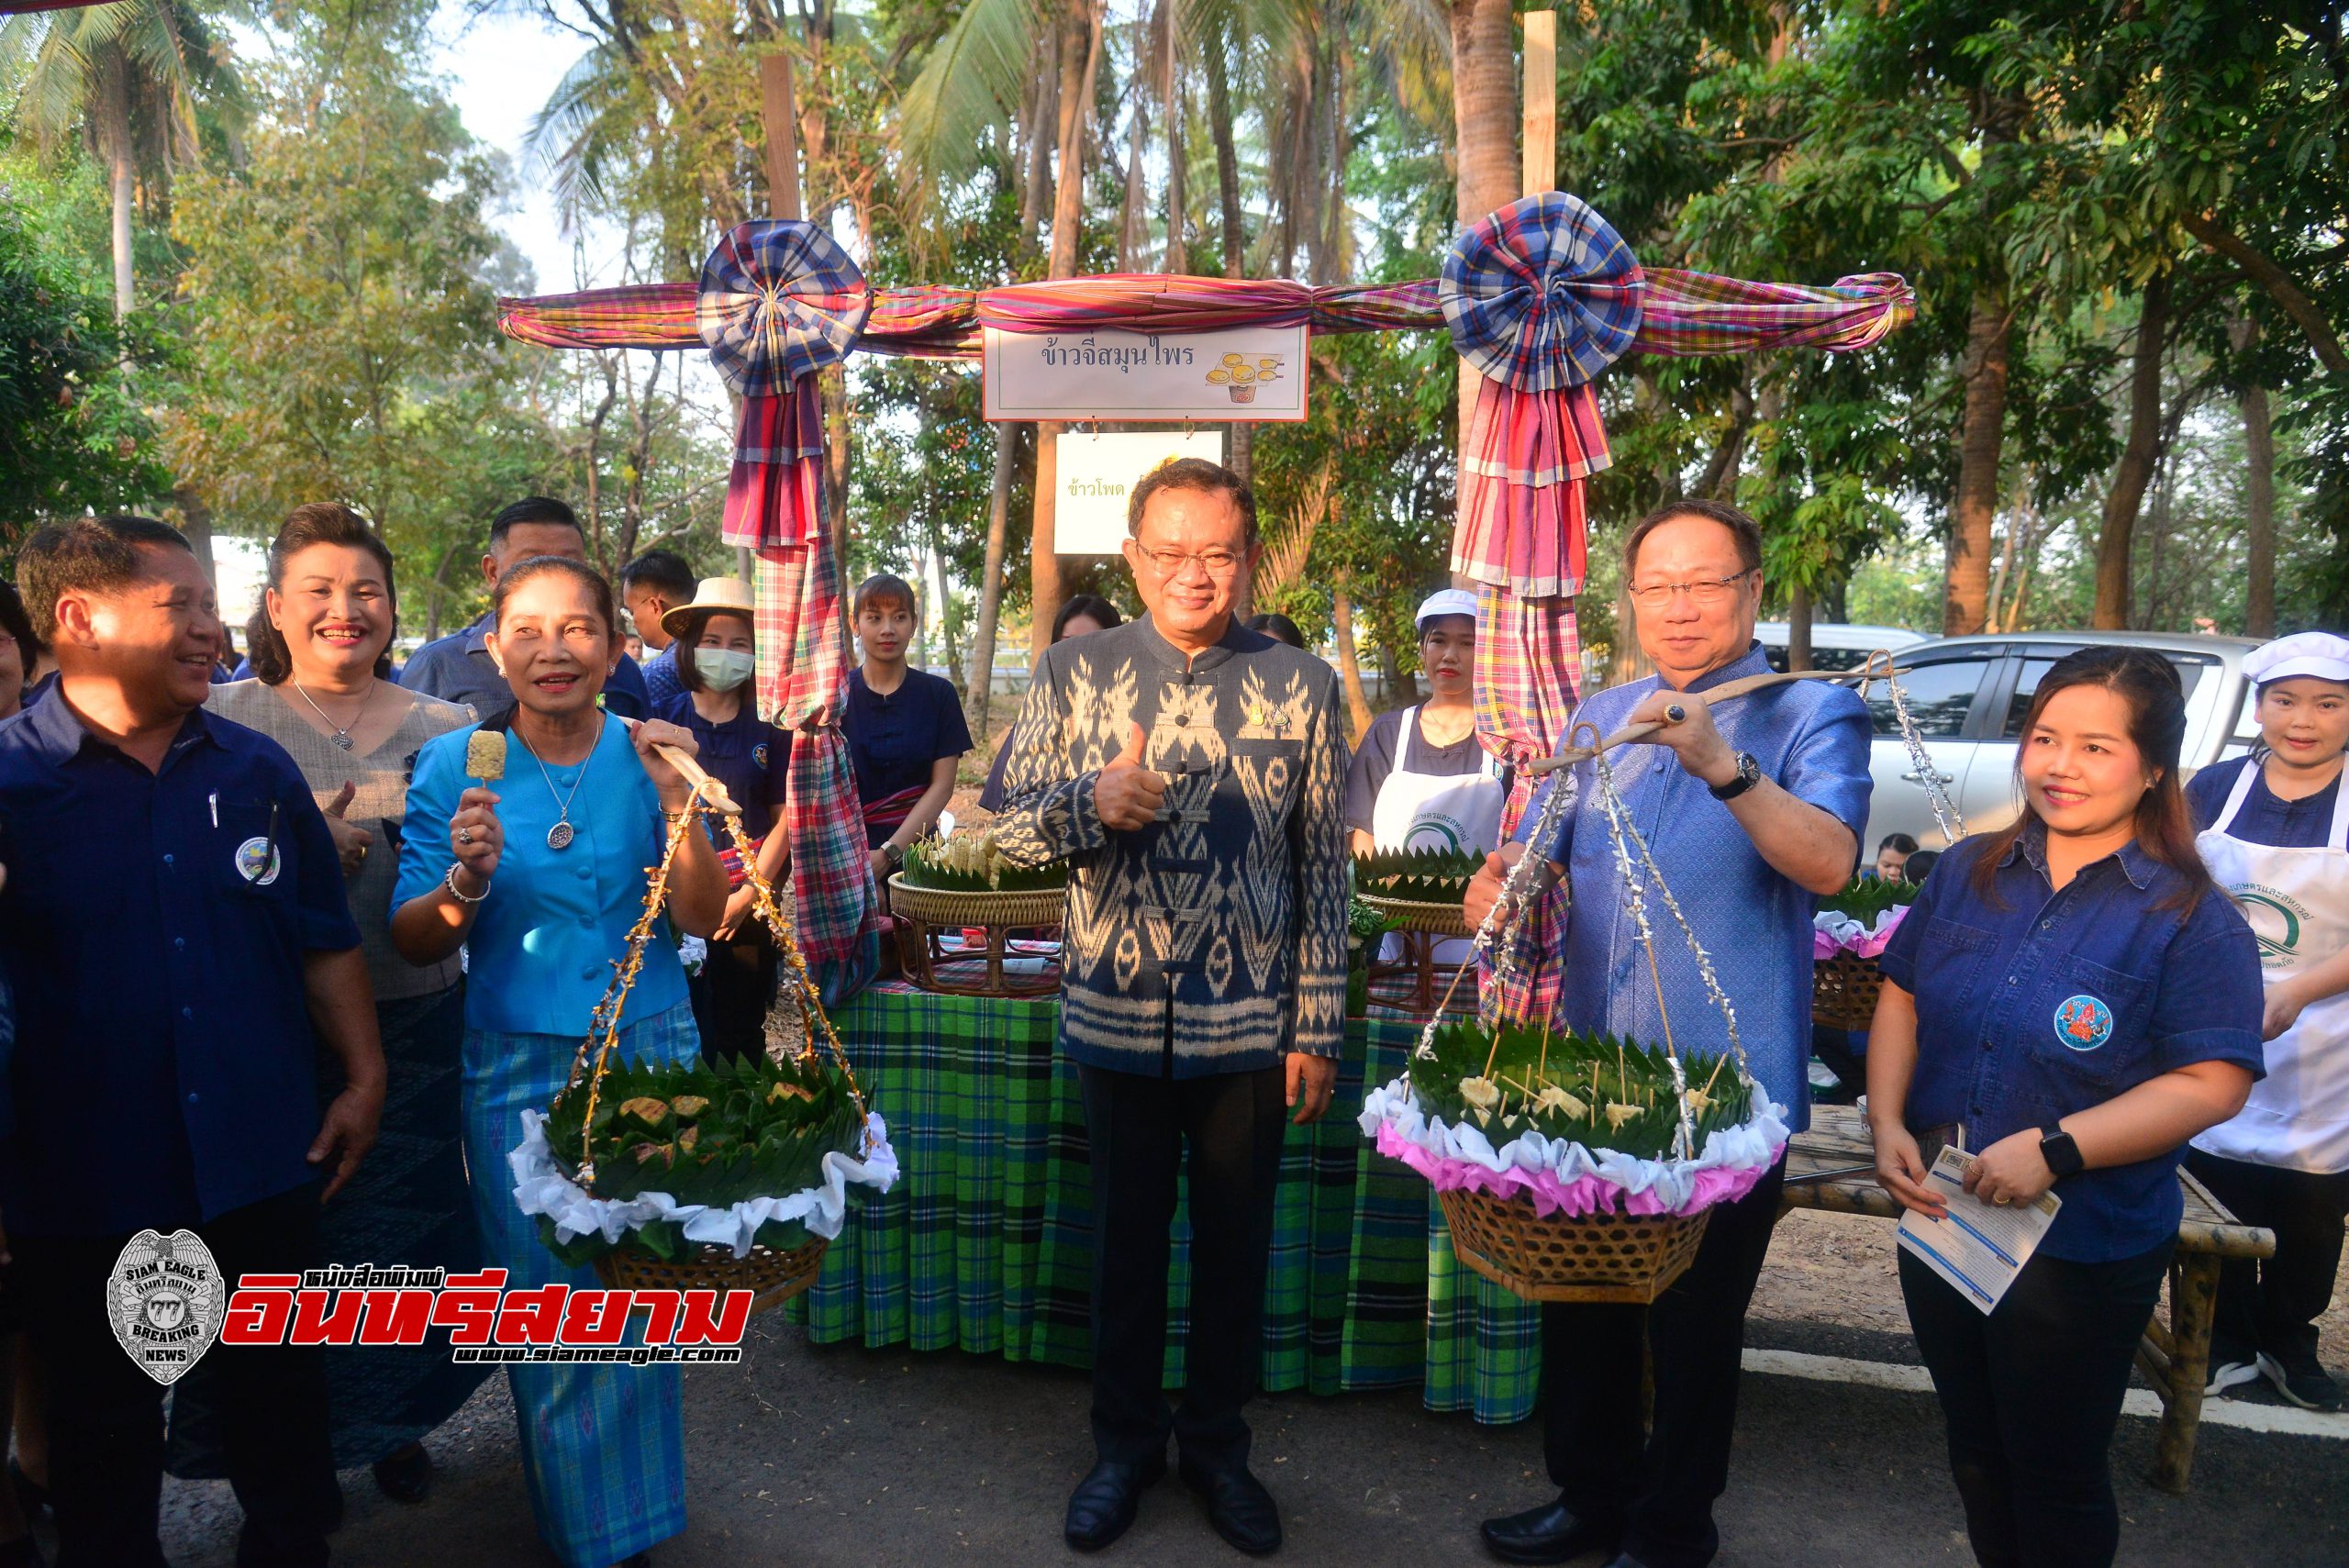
(1866, 944)
(1583, 1195)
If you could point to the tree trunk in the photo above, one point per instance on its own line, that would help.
(1965, 597)
(1342, 627)
(1080, 61)
(195, 521)
(1797, 627)
(1240, 447)
(1178, 256)
(113, 112)
(980, 687)
(2259, 495)
(2137, 460)
(1484, 131)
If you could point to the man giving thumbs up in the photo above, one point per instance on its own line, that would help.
(1192, 773)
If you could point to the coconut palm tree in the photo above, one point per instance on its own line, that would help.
(126, 79)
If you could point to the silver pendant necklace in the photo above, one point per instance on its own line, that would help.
(558, 837)
(341, 736)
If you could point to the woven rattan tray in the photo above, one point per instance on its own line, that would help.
(957, 906)
(1410, 914)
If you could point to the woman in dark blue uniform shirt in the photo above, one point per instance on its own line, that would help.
(715, 657)
(904, 727)
(2078, 994)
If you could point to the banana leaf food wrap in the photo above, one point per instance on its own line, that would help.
(750, 1152)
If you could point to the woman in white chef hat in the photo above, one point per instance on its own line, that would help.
(2274, 833)
(1420, 779)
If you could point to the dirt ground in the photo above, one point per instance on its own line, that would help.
(857, 1458)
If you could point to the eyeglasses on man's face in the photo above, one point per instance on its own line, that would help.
(1705, 593)
(1175, 563)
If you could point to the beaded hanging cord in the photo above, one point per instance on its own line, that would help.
(604, 1025)
(1495, 935)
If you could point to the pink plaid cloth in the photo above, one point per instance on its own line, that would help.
(774, 438)
(1521, 522)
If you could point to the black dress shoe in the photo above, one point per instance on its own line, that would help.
(1102, 1507)
(405, 1476)
(32, 1498)
(1624, 1560)
(1242, 1512)
(1551, 1533)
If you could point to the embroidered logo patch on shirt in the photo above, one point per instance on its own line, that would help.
(759, 754)
(2083, 1023)
(257, 860)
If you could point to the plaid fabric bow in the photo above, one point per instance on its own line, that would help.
(1541, 294)
(778, 301)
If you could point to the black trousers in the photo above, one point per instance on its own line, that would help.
(1658, 1487)
(2031, 1394)
(734, 993)
(106, 1415)
(1138, 1126)
(2272, 1304)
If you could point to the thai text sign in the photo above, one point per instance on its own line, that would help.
(1093, 477)
(1246, 374)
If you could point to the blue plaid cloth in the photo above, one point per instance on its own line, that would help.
(603, 1447)
(1541, 294)
(778, 299)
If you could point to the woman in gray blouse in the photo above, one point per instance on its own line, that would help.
(319, 647)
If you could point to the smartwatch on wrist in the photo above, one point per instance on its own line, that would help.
(2057, 1148)
(895, 855)
(1749, 773)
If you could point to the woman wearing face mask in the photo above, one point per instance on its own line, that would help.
(2079, 996)
(751, 757)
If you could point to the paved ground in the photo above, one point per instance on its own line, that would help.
(857, 1459)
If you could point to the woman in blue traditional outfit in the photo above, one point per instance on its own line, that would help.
(539, 878)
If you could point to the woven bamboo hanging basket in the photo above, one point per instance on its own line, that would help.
(1843, 990)
(1412, 915)
(774, 1276)
(1562, 1257)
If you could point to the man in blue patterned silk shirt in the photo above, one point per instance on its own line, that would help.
(1192, 773)
(1749, 812)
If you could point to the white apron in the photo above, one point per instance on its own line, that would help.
(2298, 904)
(1436, 811)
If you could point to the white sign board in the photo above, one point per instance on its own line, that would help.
(1093, 477)
(1250, 373)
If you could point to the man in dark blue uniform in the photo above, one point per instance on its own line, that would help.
(174, 926)
(458, 668)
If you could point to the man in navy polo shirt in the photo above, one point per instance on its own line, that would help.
(458, 668)
(174, 926)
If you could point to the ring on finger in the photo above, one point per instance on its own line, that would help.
(464, 835)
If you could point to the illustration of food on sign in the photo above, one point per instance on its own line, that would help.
(1236, 375)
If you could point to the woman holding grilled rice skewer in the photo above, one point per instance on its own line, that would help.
(2078, 994)
(540, 874)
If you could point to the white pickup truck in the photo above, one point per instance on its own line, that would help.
(1968, 695)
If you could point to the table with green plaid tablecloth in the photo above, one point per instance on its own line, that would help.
(985, 1243)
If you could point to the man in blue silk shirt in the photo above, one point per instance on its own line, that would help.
(1749, 813)
(457, 668)
(174, 928)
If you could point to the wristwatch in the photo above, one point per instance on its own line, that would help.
(895, 855)
(2063, 1155)
(1749, 773)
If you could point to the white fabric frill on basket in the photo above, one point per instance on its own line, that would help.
(1833, 931)
(1564, 1173)
(540, 1187)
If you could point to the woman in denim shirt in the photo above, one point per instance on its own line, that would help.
(2075, 991)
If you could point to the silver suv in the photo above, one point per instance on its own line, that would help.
(1968, 695)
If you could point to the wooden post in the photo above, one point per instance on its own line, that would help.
(1541, 102)
(779, 118)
